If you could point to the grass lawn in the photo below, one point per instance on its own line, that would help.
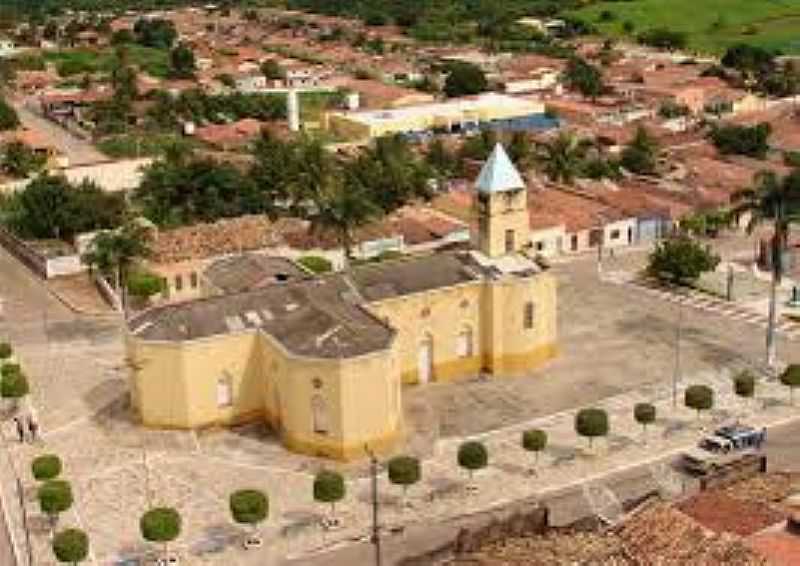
(712, 25)
(140, 144)
(71, 62)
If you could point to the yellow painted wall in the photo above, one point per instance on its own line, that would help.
(509, 348)
(497, 213)
(442, 314)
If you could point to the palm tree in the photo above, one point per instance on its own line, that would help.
(774, 200)
(112, 253)
(562, 158)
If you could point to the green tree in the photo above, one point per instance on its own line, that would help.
(663, 38)
(316, 264)
(55, 497)
(744, 385)
(681, 260)
(6, 351)
(584, 77)
(13, 384)
(404, 471)
(473, 456)
(591, 423)
(791, 379)
(774, 200)
(644, 414)
(329, 487)
(562, 159)
(440, 159)
(182, 62)
(699, 398)
(748, 59)
(155, 32)
(46, 467)
(21, 161)
(161, 525)
(272, 70)
(534, 440)
(71, 546)
(249, 507)
(464, 79)
(8, 116)
(52, 207)
(639, 156)
(732, 139)
(114, 252)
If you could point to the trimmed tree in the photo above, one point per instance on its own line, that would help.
(744, 385)
(161, 525)
(249, 507)
(791, 379)
(55, 496)
(591, 423)
(46, 467)
(534, 440)
(404, 471)
(13, 384)
(681, 260)
(699, 397)
(329, 487)
(5, 351)
(644, 414)
(473, 456)
(71, 546)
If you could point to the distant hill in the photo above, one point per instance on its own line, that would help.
(711, 25)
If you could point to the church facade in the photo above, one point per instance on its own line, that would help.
(323, 360)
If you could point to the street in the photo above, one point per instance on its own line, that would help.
(79, 152)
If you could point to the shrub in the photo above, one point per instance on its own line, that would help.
(143, 284)
(55, 496)
(46, 467)
(791, 379)
(13, 385)
(534, 440)
(5, 350)
(699, 398)
(160, 524)
(315, 264)
(591, 423)
(249, 506)
(644, 414)
(404, 471)
(744, 384)
(472, 456)
(9, 369)
(71, 545)
(329, 487)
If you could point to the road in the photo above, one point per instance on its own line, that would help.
(565, 507)
(78, 151)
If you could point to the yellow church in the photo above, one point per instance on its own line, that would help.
(323, 359)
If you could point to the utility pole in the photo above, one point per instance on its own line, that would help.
(677, 373)
(376, 530)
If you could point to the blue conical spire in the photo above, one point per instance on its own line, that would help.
(499, 174)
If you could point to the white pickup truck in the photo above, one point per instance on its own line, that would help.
(725, 446)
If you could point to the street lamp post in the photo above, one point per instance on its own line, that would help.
(376, 531)
(676, 374)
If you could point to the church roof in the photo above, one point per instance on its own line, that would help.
(499, 174)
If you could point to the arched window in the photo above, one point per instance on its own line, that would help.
(319, 414)
(225, 391)
(464, 343)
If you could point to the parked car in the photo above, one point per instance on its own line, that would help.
(725, 446)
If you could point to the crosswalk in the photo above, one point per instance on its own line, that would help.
(703, 302)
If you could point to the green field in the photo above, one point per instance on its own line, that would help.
(711, 25)
(72, 62)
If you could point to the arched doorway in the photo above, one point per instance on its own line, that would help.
(425, 359)
(319, 414)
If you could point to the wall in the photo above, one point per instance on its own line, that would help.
(552, 240)
(449, 310)
(499, 212)
(64, 265)
(24, 253)
(509, 348)
(622, 229)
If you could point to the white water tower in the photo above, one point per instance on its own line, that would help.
(293, 110)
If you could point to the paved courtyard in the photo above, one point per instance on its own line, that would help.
(618, 347)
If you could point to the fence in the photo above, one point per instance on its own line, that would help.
(41, 265)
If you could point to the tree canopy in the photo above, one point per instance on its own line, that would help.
(71, 545)
(249, 506)
(161, 524)
(52, 207)
(155, 32)
(699, 398)
(8, 116)
(584, 77)
(182, 62)
(404, 471)
(742, 140)
(681, 260)
(639, 156)
(464, 79)
(46, 467)
(591, 423)
(55, 496)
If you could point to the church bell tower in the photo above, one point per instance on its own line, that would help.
(501, 207)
